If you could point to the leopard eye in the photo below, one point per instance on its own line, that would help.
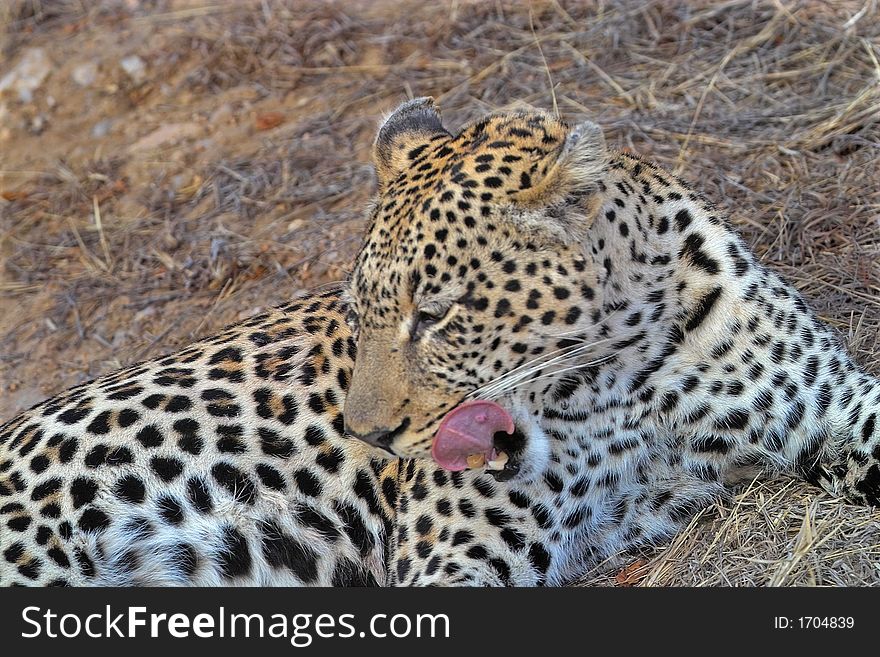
(427, 317)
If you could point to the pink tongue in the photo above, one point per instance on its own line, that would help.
(469, 429)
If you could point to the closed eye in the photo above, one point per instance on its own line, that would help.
(427, 317)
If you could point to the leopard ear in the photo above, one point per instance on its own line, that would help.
(405, 134)
(561, 200)
(574, 168)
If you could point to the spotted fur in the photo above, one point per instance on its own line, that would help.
(647, 357)
(645, 354)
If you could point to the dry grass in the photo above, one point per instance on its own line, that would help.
(776, 533)
(114, 251)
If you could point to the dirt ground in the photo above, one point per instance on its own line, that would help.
(170, 166)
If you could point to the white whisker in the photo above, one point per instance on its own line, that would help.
(555, 373)
(525, 365)
(527, 369)
(535, 365)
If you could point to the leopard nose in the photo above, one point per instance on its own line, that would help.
(379, 437)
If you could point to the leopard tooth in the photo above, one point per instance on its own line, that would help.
(498, 462)
(476, 461)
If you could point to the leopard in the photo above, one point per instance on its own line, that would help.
(646, 359)
(548, 354)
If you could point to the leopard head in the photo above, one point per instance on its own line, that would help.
(473, 271)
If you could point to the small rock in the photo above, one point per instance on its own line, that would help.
(134, 67)
(222, 114)
(102, 128)
(119, 338)
(38, 124)
(85, 74)
(142, 314)
(268, 120)
(14, 195)
(169, 241)
(166, 134)
(32, 70)
(218, 245)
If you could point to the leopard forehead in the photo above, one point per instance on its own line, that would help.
(447, 197)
